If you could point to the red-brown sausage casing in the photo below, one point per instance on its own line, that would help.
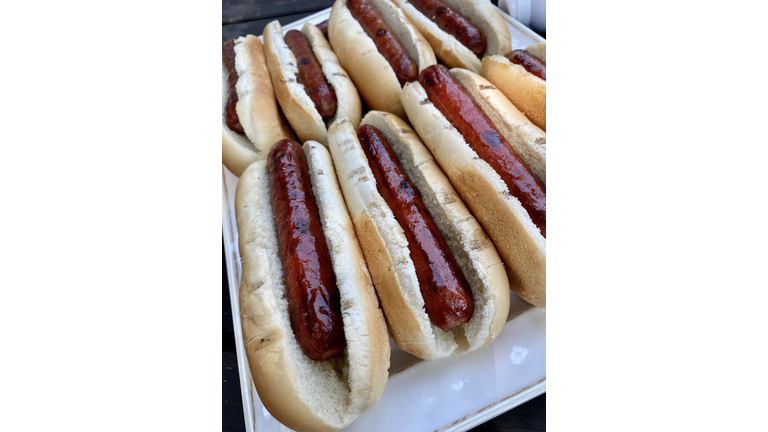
(386, 42)
(447, 296)
(313, 296)
(311, 74)
(452, 23)
(228, 58)
(531, 63)
(323, 27)
(453, 101)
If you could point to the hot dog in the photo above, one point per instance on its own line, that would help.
(460, 31)
(311, 74)
(251, 120)
(422, 245)
(447, 296)
(453, 101)
(525, 86)
(274, 209)
(228, 59)
(452, 23)
(310, 84)
(529, 62)
(379, 48)
(313, 298)
(386, 42)
(474, 133)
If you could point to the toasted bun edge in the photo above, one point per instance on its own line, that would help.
(525, 90)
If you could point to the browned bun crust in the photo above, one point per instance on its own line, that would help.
(294, 101)
(303, 394)
(517, 239)
(257, 109)
(527, 91)
(386, 249)
(373, 76)
(447, 48)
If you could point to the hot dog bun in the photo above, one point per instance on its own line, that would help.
(386, 250)
(291, 94)
(447, 48)
(301, 393)
(257, 109)
(525, 90)
(539, 50)
(519, 242)
(373, 76)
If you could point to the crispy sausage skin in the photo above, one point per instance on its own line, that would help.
(313, 296)
(447, 296)
(311, 74)
(453, 101)
(453, 23)
(228, 58)
(531, 63)
(387, 43)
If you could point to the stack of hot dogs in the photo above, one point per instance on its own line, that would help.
(418, 218)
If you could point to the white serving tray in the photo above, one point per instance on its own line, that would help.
(451, 394)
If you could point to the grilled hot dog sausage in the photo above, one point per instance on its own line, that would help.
(311, 74)
(532, 64)
(453, 101)
(447, 296)
(386, 42)
(313, 297)
(228, 57)
(452, 23)
(323, 27)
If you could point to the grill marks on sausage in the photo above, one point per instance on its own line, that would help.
(313, 297)
(453, 23)
(230, 109)
(447, 296)
(311, 74)
(453, 101)
(388, 45)
(531, 63)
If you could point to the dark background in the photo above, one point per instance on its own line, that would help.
(239, 18)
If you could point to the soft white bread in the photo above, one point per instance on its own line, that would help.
(373, 76)
(447, 48)
(291, 94)
(519, 242)
(301, 393)
(527, 91)
(256, 107)
(528, 140)
(539, 50)
(386, 248)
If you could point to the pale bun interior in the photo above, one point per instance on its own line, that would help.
(256, 107)
(447, 48)
(539, 50)
(517, 239)
(301, 393)
(371, 73)
(386, 247)
(292, 95)
(528, 140)
(525, 90)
